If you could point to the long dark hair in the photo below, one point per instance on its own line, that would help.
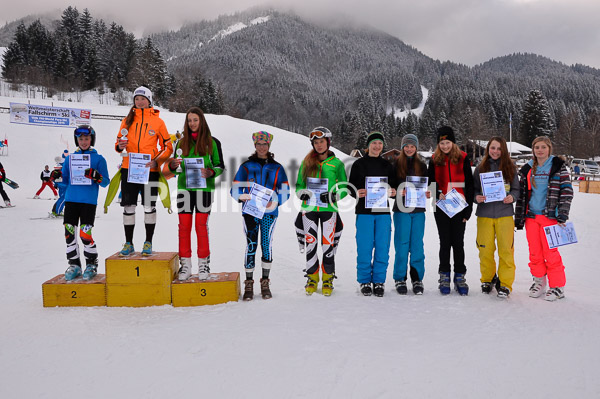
(402, 164)
(507, 166)
(204, 143)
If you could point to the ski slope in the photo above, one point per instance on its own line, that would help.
(292, 346)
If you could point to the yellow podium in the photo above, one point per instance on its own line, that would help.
(60, 292)
(138, 280)
(218, 288)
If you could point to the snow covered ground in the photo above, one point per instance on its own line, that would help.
(417, 111)
(292, 346)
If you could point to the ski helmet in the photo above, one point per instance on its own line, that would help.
(320, 133)
(84, 130)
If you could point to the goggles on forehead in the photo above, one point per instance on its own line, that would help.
(83, 131)
(319, 133)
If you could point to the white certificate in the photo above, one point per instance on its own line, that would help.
(558, 235)
(453, 204)
(316, 187)
(78, 163)
(377, 189)
(416, 192)
(193, 173)
(257, 204)
(492, 186)
(138, 171)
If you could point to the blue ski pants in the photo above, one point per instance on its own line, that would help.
(373, 234)
(409, 229)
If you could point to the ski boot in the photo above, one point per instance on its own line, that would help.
(444, 283)
(418, 287)
(487, 287)
(503, 292)
(366, 289)
(460, 284)
(185, 271)
(378, 289)
(248, 290)
(91, 269)
(72, 272)
(203, 268)
(555, 293)
(401, 287)
(312, 283)
(328, 284)
(538, 287)
(265, 291)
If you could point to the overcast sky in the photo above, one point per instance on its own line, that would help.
(464, 31)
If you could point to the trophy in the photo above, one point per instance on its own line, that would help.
(124, 133)
(179, 152)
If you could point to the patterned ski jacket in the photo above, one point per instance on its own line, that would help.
(558, 198)
(331, 169)
(85, 194)
(266, 172)
(147, 131)
(212, 161)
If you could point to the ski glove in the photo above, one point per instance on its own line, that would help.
(305, 195)
(328, 197)
(94, 175)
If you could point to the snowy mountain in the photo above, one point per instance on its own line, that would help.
(292, 346)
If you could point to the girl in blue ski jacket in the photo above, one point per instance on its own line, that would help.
(262, 169)
(373, 221)
(81, 199)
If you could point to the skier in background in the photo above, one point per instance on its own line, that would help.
(2, 192)
(46, 181)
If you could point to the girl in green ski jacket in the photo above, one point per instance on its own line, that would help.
(199, 161)
(321, 178)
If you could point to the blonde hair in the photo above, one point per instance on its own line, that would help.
(546, 141)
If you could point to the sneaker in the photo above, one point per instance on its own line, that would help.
(127, 249)
(378, 289)
(418, 287)
(328, 284)
(401, 287)
(503, 292)
(72, 272)
(444, 281)
(203, 268)
(265, 290)
(538, 287)
(555, 293)
(90, 271)
(366, 289)
(7, 204)
(311, 283)
(460, 284)
(185, 271)
(248, 290)
(147, 249)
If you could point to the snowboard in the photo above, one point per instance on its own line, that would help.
(10, 183)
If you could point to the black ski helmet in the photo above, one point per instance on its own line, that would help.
(85, 130)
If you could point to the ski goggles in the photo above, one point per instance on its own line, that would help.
(319, 133)
(83, 131)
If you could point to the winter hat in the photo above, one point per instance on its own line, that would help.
(262, 136)
(144, 92)
(375, 136)
(410, 139)
(445, 133)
